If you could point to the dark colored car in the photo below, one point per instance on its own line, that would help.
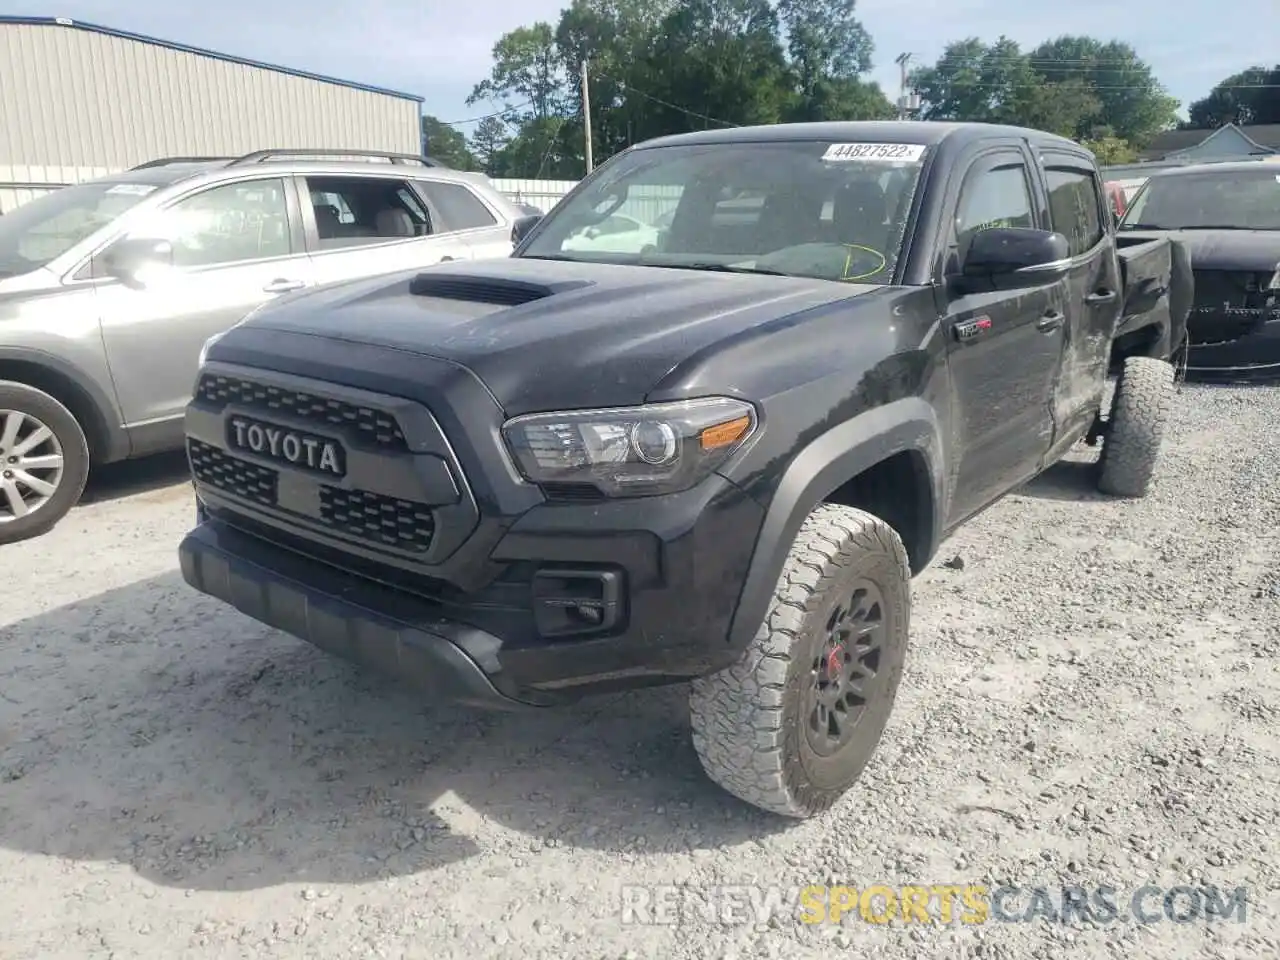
(1228, 215)
(718, 457)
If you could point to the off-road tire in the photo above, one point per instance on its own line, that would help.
(75, 453)
(1135, 430)
(748, 720)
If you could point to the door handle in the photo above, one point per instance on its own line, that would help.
(1051, 321)
(1100, 296)
(283, 286)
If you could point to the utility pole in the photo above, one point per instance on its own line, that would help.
(902, 60)
(586, 113)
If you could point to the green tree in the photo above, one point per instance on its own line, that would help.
(446, 144)
(998, 83)
(716, 62)
(1111, 150)
(1129, 102)
(829, 51)
(526, 66)
(616, 38)
(487, 141)
(851, 99)
(1251, 96)
(542, 150)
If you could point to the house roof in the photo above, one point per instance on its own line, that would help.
(1264, 135)
(64, 22)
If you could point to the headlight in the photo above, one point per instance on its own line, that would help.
(204, 351)
(631, 451)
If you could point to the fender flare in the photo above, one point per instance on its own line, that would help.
(821, 467)
(111, 439)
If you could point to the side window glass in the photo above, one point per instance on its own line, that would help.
(1074, 206)
(226, 224)
(458, 207)
(354, 211)
(996, 197)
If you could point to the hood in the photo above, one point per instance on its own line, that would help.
(1252, 251)
(544, 334)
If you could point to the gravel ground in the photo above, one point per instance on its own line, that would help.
(1091, 698)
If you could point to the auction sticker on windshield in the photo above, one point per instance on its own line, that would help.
(132, 189)
(887, 152)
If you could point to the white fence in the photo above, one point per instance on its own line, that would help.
(543, 194)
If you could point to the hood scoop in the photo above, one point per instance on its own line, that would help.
(502, 291)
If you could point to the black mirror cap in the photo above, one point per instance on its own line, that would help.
(524, 226)
(1017, 257)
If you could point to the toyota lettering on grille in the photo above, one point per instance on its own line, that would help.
(293, 447)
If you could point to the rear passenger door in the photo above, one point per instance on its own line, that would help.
(1078, 209)
(1004, 347)
(468, 216)
(361, 226)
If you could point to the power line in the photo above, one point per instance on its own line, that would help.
(989, 85)
(666, 103)
(488, 116)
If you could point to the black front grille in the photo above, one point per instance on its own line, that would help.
(378, 518)
(369, 517)
(1230, 305)
(373, 426)
(248, 481)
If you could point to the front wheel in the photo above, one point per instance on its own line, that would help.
(1135, 429)
(44, 462)
(791, 725)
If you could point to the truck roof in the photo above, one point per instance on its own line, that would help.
(1228, 167)
(927, 132)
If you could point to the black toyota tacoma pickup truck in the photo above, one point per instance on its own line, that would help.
(715, 451)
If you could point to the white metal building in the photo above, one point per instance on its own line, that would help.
(79, 100)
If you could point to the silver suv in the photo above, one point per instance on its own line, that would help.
(109, 289)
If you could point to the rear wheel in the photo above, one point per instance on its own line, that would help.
(1135, 429)
(790, 727)
(44, 462)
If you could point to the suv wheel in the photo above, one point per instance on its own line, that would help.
(44, 462)
(1135, 429)
(790, 726)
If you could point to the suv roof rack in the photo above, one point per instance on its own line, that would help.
(165, 161)
(259, 156)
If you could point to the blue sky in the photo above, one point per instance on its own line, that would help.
(440, 48)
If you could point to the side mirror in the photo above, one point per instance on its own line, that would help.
(128, 257)
(1009, 258)
(523, 226)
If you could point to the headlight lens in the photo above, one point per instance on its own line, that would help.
(631, 451)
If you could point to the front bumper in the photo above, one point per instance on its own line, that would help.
(316, 605)
(495, 610)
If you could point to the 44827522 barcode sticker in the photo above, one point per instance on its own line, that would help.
(882, 152)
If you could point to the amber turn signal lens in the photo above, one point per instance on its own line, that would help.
(724, 434)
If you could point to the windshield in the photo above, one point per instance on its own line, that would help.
(803, 208)
(43, 229)
(1213, 200)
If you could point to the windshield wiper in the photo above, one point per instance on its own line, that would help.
(720, 268)
(1218, 226)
